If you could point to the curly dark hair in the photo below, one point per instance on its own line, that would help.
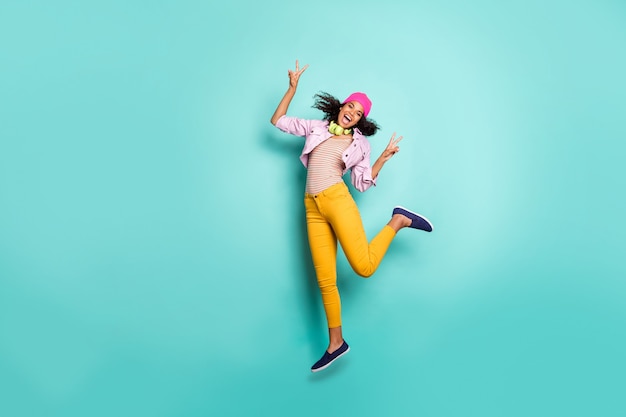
(329, 104)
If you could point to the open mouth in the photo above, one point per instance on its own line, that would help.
(346, 119)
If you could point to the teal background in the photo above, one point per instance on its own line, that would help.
(153, 259)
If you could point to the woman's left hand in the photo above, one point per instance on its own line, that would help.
(392, 148)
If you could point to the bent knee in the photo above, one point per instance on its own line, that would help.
(365, 273)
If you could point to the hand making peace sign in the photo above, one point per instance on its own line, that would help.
(294, 76)
(392, 148)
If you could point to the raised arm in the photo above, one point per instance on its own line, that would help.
(294, 76)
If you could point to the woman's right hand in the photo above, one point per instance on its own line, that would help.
(294, 76)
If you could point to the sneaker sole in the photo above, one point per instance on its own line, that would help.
(331, 362)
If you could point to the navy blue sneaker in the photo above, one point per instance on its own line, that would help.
(329, 358)
(417, 220)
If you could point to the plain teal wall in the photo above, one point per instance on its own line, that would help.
(153, 259)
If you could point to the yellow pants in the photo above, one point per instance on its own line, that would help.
(330, 216)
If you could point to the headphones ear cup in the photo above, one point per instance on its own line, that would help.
(337, 130)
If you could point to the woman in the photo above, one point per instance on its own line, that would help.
(333, 146)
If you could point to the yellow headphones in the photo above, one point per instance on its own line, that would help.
(335, 129)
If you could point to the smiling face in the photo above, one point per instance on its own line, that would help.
(350, 114)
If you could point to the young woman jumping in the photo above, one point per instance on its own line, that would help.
(333, 146)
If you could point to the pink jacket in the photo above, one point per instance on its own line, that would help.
(356, 158)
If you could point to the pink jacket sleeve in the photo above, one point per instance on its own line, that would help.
(293, 125)
(361, 174)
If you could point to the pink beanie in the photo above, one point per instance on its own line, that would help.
(361, 98)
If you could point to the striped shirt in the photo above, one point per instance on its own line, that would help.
(325, 166)
(356, 157)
